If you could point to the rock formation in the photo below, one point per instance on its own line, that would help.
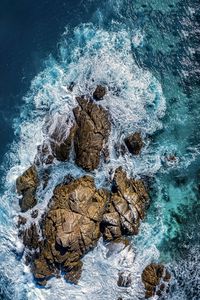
(99, 92)
(70, 229)
(78, 213)
(26, 186)
(153, 277)
(126, 208)
(92, 133)
(134, 143)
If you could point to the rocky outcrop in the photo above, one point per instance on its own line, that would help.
(58, 144)
(69, 229)
(26, 185)
(77, 215)
(93, 127)
(134, 143)
(99, 92)
(155, 278)
(127, 206)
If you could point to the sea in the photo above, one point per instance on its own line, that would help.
(147, 55)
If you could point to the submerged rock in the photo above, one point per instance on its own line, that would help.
(134, 143)
(26, 185)
(70, 229)
(153, 277)
(127, 206)
(99, 92)
(92, 133)
(124, 279)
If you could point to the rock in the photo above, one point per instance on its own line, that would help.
(127, 206)
(70, 229)
(134, 143)
(34, 214)
(31, 237)
(99, 92)
(60, 133)
(61, 149)
(152, 276)
(21, 221)
(124, 279)
(91, 135)
(26, 185)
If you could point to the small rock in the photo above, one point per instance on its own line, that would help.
(124, 279)
(34, 214)
(21, 221)
(151, 277)
(99, 93)
(134, 143)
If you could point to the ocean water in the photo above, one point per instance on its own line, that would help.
(147, 54)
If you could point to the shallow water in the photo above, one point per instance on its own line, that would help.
(146, 55)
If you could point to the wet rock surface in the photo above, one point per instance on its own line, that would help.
(78, 214)
(92, 133)
(26, 186)
(69, 229)
(155, 277)
(127, 206)
(124, 279)
(99, 92)
(134, 143)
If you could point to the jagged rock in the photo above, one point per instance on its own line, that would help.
(124, 279)
(26, 185)
(31, 237)
(152, 276)
(92, 133)
(134, 143)
(70, 228)
(60, 134)
(61, 149)
(127, 206)
(99, 92)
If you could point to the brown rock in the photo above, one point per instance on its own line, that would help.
(128, 203)
(21, 221)
(26, 185)
(151, 277)
(92, 133)
(70, 228)
(31, 237)
(99, 92)
(60, 134)
(134, 143)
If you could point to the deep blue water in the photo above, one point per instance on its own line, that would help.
(148, 52)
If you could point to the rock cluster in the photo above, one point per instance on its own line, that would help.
(78, 213)
(88, 135)
(153, 277)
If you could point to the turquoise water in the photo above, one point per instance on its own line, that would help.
(145, 53)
